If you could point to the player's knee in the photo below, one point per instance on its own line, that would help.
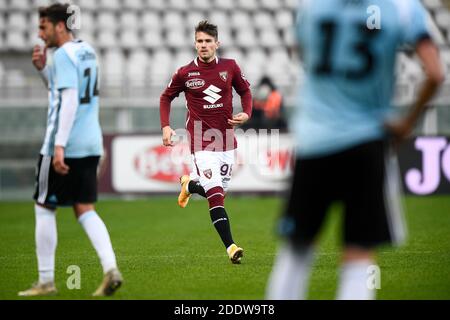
(215, 197)
(81, 208)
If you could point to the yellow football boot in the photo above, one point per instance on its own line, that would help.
(39, 289)
(111, 282)
(235, 253)
(184, 196)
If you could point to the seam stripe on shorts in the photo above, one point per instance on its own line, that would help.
(196, 166)
(43, 178)
(392, 194)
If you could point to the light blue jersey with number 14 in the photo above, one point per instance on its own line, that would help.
(349, 51)
(74, 65)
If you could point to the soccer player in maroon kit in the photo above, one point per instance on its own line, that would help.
(208, 82)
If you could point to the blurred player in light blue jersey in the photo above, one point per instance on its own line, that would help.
(343, 127)
(348, 88)
(67, 167)
(73, 67)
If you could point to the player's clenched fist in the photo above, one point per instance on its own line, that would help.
(167, 136)
(39, 57)
(58, 161)
(238, 119)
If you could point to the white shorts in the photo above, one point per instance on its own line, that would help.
(212, 169)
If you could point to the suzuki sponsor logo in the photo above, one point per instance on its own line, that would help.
(212, 94)
(195, 83)
(193, 74)
(212, 106)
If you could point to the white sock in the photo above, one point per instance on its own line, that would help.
(98, 234)
(290, 274)
(353, 281)
(46, 239)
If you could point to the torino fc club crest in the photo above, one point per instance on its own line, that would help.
(208, 173)
(223, 75)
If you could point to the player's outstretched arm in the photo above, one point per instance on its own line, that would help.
(429, 56)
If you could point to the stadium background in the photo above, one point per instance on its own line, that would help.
(141, 43)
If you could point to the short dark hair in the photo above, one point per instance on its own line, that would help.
(208, 28)
(56, 13)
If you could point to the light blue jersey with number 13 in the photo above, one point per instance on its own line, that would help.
(349, 51)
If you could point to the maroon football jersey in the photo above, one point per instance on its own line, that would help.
(209, 96)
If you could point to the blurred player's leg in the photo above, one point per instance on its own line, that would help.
(306, 207)
(372, 214)
(46, 240)
(353, 275)
(290, 274)
(98, 234)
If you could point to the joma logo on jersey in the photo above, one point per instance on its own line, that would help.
(212, 94)
(195, 83)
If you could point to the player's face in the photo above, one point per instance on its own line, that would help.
(47, 32)
(206, 46)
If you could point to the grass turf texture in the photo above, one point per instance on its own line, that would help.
(165, 252)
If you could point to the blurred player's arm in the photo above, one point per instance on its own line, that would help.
(428, 54)
(415, 32)
(242, 87)
(66, 81)
(69, 106)
(172, 91)
(39, 61)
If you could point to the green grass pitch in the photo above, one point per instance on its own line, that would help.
(165, 252)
